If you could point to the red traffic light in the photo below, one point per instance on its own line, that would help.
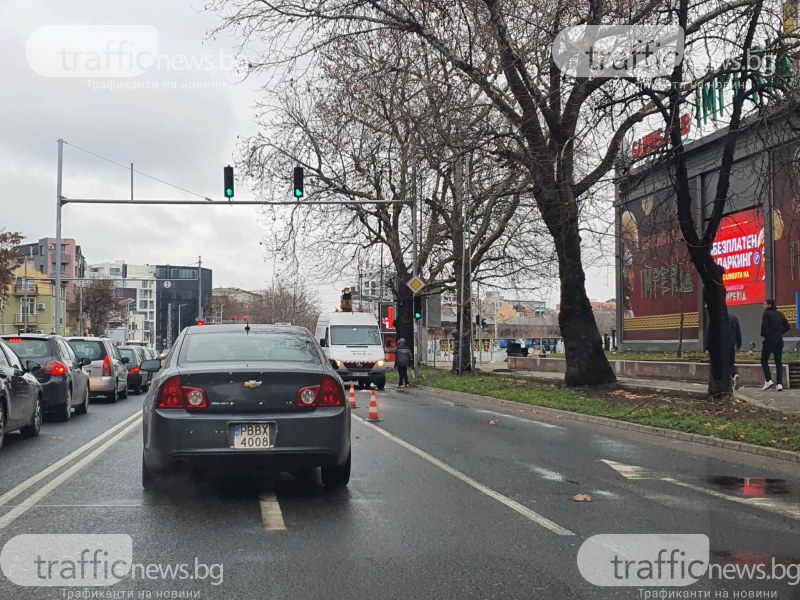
(200, 323)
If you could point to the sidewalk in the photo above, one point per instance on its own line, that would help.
(787, 401)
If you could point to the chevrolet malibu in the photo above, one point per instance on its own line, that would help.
(246, 397)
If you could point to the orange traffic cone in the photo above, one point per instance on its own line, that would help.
(353, 396)
(372, 415)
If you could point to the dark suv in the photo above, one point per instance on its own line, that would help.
(65, 381)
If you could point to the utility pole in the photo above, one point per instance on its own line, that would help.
(25, 299)
(80, 307)
(199, 288)
(415, 258)
(58, 233)
(169, 324)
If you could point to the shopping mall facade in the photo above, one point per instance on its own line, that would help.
(758, 243)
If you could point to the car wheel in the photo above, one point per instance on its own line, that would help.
(83, 407)
(32, 429)
(337, 476)
(150, 477)
(124, 393)
(64, 412)
(2, 424)
(380, 384)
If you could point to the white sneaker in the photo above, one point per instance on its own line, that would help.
(767, 385)
(736, 383)
(779, 388)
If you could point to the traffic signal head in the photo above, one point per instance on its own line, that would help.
(417, 307)
(478, 320)
(483, 323)
(228, 184)
(298, 182)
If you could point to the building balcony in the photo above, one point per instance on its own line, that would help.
(29, 289)
(31, 320)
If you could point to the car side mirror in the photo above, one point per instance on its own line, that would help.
(151, 365)
(32, 365)
(85, 361)
(323, 343)
(125, 360)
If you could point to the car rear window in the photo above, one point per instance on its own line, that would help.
(28, 348)
(130, 353)
(90, 349)
(255, 347)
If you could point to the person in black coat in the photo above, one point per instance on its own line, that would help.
(402, 360)
(773, 326)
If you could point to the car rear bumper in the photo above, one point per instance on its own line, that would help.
(54, 392)
(134, 380)
(102, 385)
(303, 440)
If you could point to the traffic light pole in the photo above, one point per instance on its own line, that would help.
(58, 235)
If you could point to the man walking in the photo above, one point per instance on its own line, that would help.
(773, 326)
(402, 361)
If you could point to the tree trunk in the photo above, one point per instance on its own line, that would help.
(719, 342)
(586, 361)
(404, 321)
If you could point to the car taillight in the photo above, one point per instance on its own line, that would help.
(174, 394)
(134, 370)
(330, 392)
(106, 367)
(326, 395)
(54, 367)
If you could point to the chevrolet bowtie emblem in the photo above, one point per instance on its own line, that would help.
(252, 383)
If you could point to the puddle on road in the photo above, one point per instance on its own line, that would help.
(751, 487)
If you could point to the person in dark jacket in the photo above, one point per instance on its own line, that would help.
(773, 326)
(736, 346)
(402, 361)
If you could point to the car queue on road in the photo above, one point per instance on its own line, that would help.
(47, 376)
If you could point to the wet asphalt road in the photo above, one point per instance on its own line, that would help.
(448, 499)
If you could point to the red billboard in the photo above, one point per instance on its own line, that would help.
(739, 249)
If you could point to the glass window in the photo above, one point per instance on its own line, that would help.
(88, 349)
(360, 335)
(142, 304)
(255, 347)
(30, 348)
(115, 271)
(69, 355)
(3, 360)
(27, 307)
(132, 356)
(13, 360)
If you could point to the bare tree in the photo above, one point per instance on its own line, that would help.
(8, 261)
(100, 305)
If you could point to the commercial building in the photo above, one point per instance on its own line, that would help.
(181, 299)
(758, 242)
(136, 293)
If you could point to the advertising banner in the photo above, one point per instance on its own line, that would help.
(739, 249)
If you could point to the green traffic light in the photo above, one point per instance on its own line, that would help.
(417, 315)
(229, 192)
(298, 193)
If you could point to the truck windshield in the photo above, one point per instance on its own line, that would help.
(349, 335)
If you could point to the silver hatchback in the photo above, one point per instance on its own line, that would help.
(108, 375)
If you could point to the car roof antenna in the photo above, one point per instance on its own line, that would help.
(247, 328)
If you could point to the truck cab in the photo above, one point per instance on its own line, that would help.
(352, 343)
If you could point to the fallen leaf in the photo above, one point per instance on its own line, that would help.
(493, 422)
(55, 438)
(582, 498)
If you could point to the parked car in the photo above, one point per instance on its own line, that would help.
(246, 398)
(108, 375)
(138, 380)
(20, 395)
(63, 376)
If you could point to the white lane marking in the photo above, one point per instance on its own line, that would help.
(271, 515)
(786, 509)
(31, 500)
(512, 504)
(16, 491)
(630, 471)
(501, 416)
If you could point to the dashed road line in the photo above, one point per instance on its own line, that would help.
(271, 515)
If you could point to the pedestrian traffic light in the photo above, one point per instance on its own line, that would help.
(417, 307)
(228, 177)
(298, 182)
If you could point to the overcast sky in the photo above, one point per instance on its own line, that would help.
(182, 128)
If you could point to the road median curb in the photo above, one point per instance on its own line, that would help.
(636, 427)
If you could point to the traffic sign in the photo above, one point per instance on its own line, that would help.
(415, 284)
